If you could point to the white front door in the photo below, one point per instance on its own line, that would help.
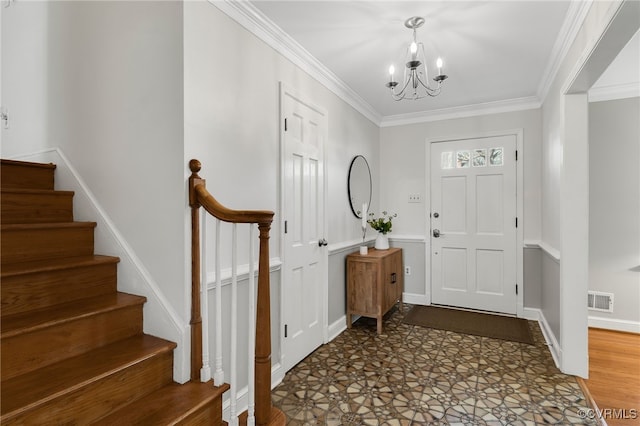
(473, 223)
(305, 259)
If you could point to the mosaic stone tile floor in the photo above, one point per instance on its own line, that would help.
(412, 375)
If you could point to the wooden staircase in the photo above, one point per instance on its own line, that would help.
(72, 346)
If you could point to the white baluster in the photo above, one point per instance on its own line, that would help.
(233, 415)
(218, 377)
(205, 371)
(251, 420)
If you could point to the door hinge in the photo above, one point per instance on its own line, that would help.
(516, 155)
(285, 124)
(516, 222)
(516, 289)
(285, 226)
(285, 330)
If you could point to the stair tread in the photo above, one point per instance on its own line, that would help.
(167, 405)
(35, 191)
(31, 226)
(28, 164)
(37, 319)
(40, 386)
(45, 265)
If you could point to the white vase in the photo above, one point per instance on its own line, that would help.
(382, 242)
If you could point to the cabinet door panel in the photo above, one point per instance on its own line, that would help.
(362, 287)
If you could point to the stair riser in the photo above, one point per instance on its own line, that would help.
(91, 402)
(21, 293)
(211, 414)
(36, 349)
(46, 243)
(36, 208)
(26, 176)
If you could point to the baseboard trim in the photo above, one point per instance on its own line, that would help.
(416, 299)
(550, 338)
(590, 401)
(615, 324)
(531, 314)
(337, 327)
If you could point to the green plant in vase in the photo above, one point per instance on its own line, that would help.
(383, 225)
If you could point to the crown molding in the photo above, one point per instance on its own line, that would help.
(618, 91)
(573, 21)
(509, 105)
(254, 21)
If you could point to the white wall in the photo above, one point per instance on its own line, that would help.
(24, 77)
(130, 91)
(231, 97)
(233, 128)
(614, 208)
(565, 173)
(403, 171)
(403, 168)
(102, 81)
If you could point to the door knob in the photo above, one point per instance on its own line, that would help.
(322, 242)
(436, 233)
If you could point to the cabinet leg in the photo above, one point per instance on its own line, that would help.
(348, 320)
(379, 324)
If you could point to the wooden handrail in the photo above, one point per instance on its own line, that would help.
(211, 205)
(265, 413)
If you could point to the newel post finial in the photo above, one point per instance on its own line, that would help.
(194, 179)
(195, 166)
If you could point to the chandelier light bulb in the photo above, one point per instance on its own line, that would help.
(414, 49)
(392, 70)
(439, 65)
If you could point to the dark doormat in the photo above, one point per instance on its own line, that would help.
(478, 324)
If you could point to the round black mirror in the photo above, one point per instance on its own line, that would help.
(359, 185)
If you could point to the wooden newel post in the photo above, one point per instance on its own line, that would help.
(263, 331)
(196, 316)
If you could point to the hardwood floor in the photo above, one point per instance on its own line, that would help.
(614, 375)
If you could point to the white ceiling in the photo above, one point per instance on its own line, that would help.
(494, 51)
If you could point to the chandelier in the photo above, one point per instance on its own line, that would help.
(416, 83)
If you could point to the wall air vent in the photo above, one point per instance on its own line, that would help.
(598, 301)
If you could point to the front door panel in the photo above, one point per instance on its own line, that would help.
(473, 223)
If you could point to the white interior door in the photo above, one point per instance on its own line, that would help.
(473, 223)
(305, 258)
